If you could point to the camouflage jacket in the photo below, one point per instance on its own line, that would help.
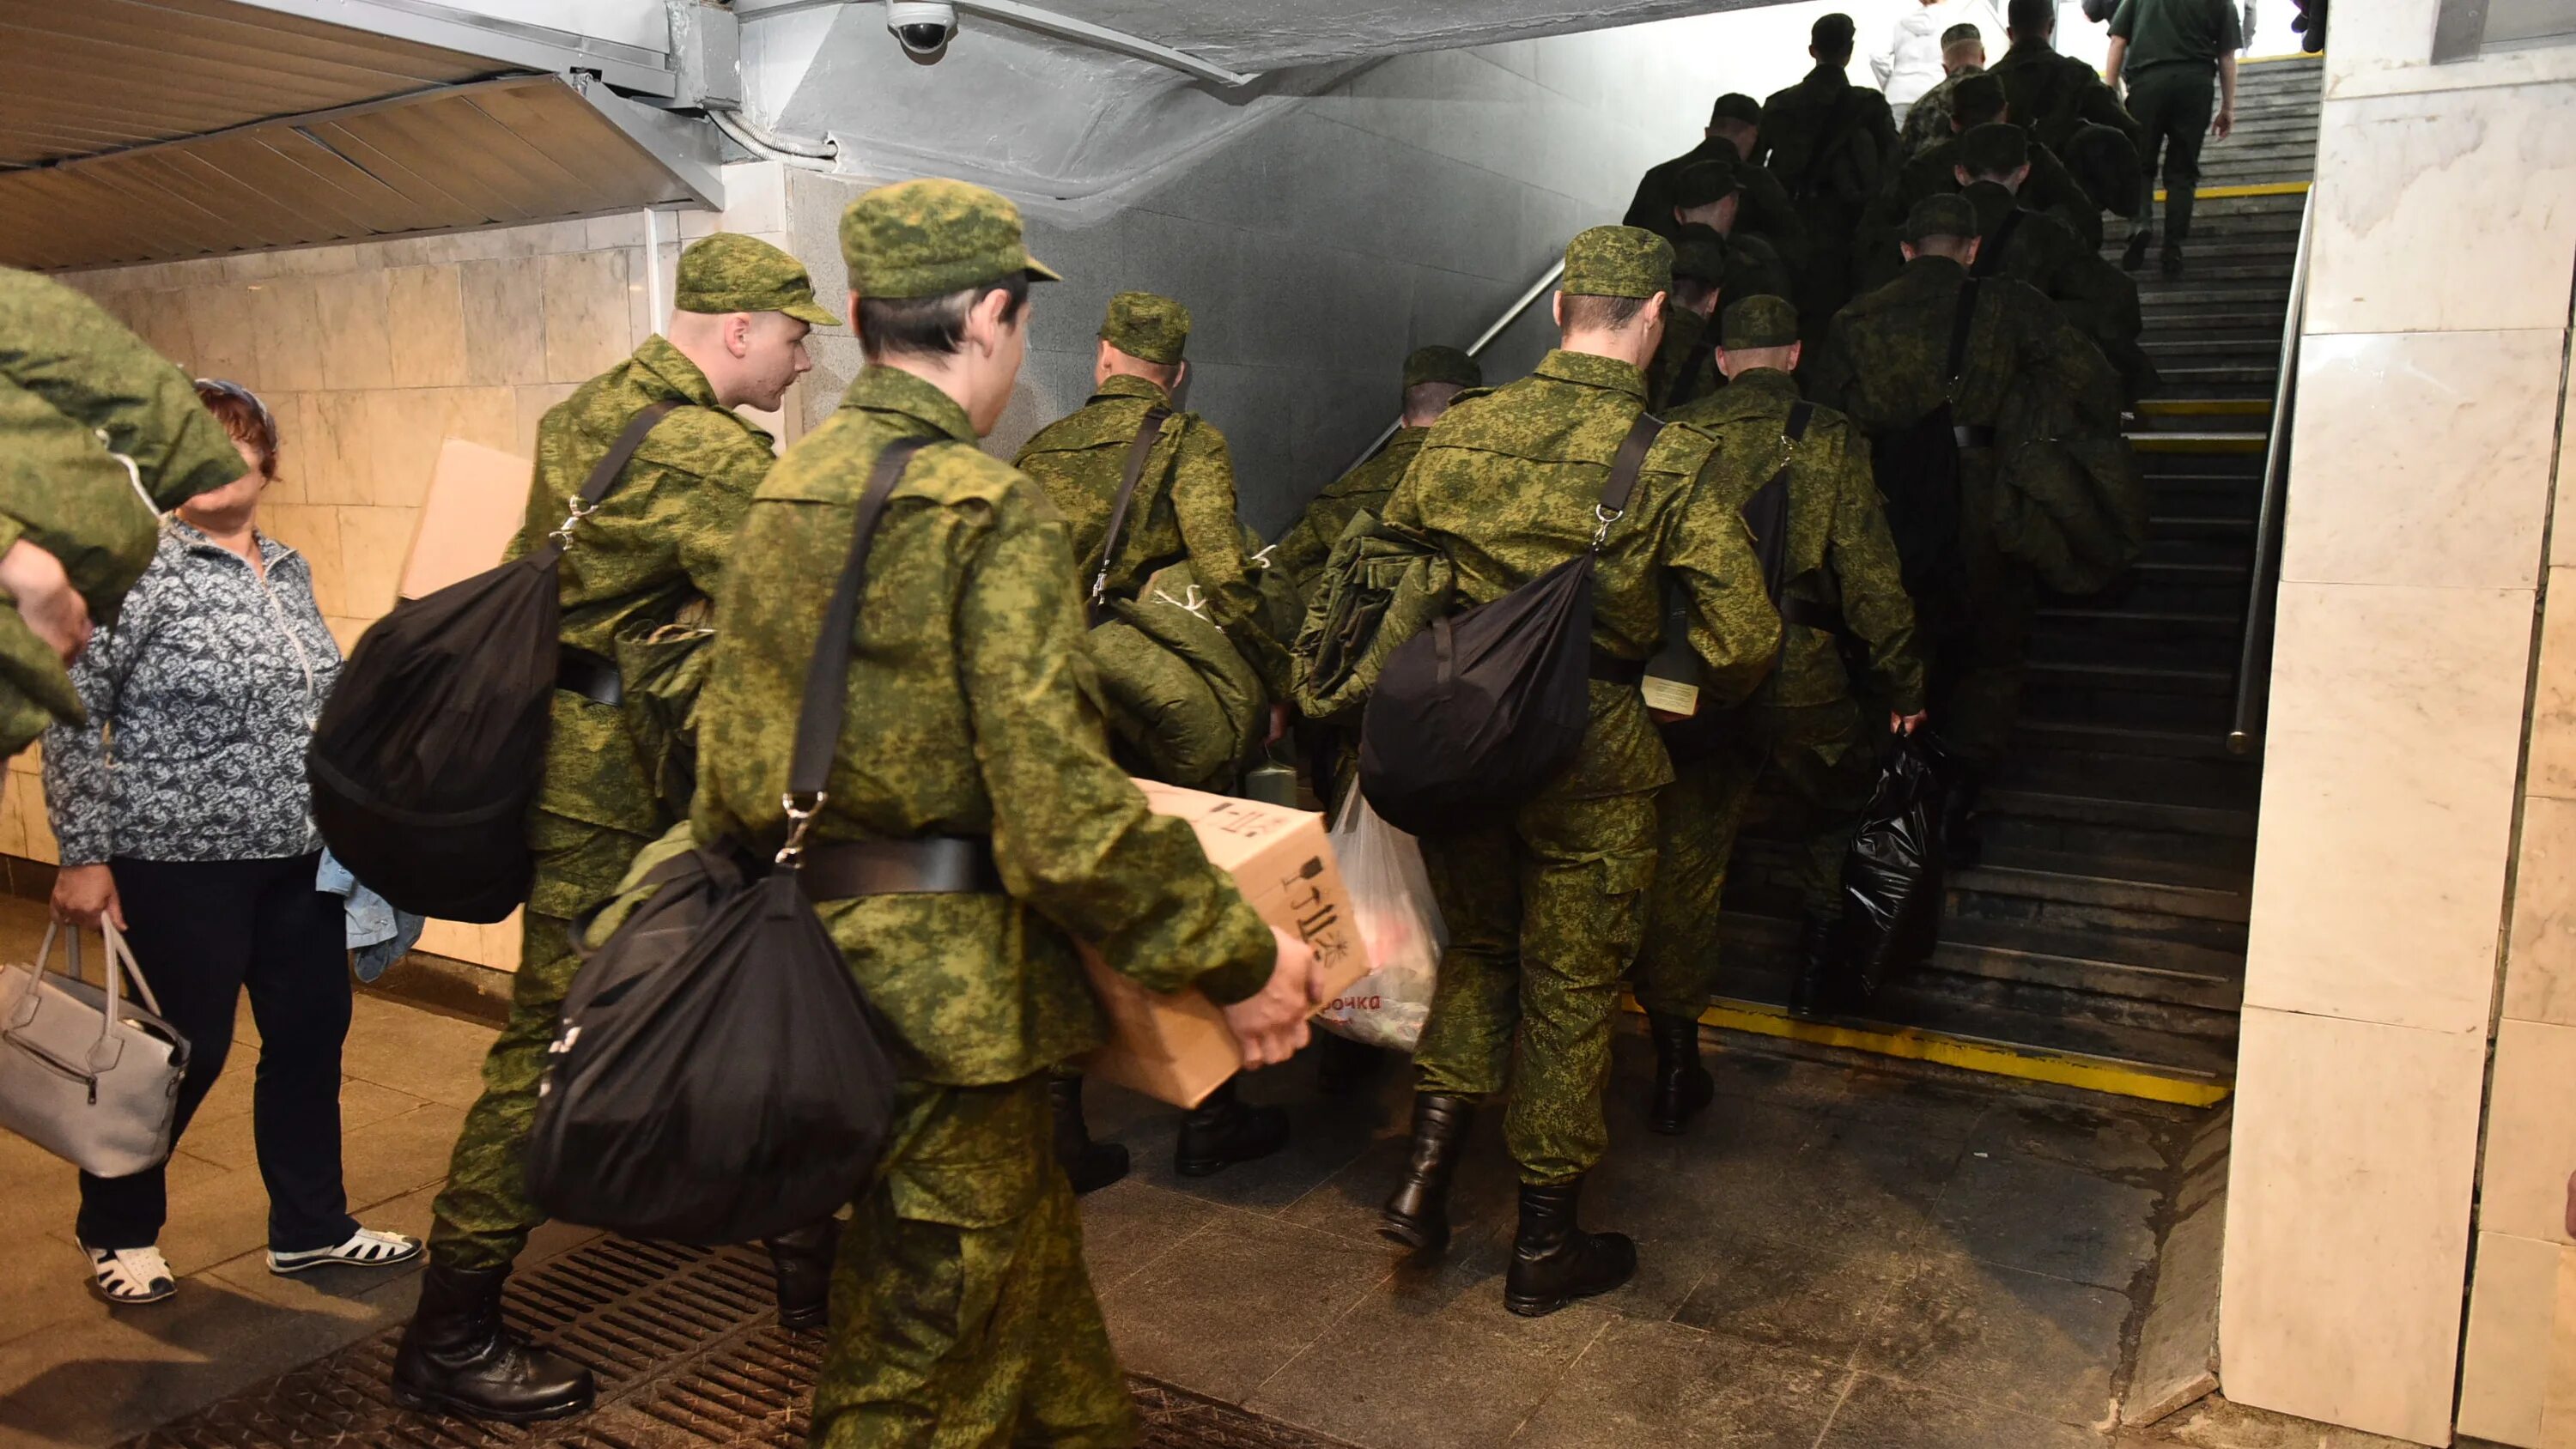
(2099, 298)
(970, 712)
(2050, 188)
(659, 540)
(1766, 210)
(1825, 138)
(2052, 94)
(1927, 123)
(1302, 549)
(1506, 487)
(1839, 552)
(1183, 509)
(1685, 367)
(78, 390)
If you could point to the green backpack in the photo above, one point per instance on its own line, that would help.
(1380, 586)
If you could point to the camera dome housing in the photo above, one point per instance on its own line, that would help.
(922, 27)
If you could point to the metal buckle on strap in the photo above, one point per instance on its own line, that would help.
(581, 509)
(800, 819)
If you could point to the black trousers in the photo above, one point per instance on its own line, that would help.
(2172, 103)
(203, 931)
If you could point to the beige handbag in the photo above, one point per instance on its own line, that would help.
(84, 1073)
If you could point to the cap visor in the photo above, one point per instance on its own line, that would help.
(814, 312)
(1040, 272)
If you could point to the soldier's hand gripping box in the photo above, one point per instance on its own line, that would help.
(1176, 1047)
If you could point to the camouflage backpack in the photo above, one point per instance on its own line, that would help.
(1380, 586)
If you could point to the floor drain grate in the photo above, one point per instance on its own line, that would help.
(688, 1351)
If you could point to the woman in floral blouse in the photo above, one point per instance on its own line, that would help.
(184, 820)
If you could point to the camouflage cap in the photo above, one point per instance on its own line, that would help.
(1977, 99)
(1997, 148)
(1442, 364)
(730, 272)
(1703, 182)
(1617, 261)
(1736, 106)
(1764, 321)
(1945, 213)
(1141, 324)
(930, 237)
(1699, 254)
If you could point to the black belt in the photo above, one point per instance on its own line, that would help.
(933, 865)
(1611, 669)
(1973, 435)
(1795, 610)
(588, 675)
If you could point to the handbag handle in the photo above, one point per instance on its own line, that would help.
(120, 963)
(827, 695)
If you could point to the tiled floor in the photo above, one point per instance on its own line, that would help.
(1839, 1256)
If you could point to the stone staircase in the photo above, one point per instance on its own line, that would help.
(2102, 940)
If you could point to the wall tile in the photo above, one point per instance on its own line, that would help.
(2504, 1369)
(13, 823)
(2348, 1220)
(505, 320)
(338, 460)
(2540, 963)
(222, 323)
(2530, 1132)
(2388, 792)
(425, 313)
(2423, 458)
(586, 323)
(161, 320)
(286, 323)
(2558, 1413)
(357, 339)
(315, 533)
(290, 410)
(2485, 180)
(373, 542)
(2553, 705)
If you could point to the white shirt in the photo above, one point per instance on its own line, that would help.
(1911, 63)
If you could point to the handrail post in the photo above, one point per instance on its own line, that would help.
(1537, 289)
(2253, 671)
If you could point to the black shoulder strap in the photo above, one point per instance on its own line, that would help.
(1959, 327)
(1631, 459)
(1696, 361)
(1146, 435)
(818, 718)
(612, 463)
(1990, 257)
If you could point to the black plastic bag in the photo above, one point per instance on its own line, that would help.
(1892, 875)
(717, 1076)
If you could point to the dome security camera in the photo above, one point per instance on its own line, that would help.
(922, 27)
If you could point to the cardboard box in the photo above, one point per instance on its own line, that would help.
(1176, 1047)
(478, 496)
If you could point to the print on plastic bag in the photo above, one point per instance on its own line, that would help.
(1391, 896)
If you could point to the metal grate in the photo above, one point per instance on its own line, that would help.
(688, 1351)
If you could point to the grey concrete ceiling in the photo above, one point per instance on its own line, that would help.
(1268, 34)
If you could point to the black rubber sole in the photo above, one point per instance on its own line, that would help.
(423, 1402)
(1405, 1233)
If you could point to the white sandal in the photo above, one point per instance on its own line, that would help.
(128, 1276)
(365, 1248)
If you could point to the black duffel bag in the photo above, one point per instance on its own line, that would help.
(1892, 875)
(717, 1075)
(430, 749)
(1478, 712)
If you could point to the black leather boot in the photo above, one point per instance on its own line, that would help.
(1555, 1262)
(1417, 1212)
(2135, 256)
(458, 1358)
(800, 1263)
(1091, 1165)
(1816, 989)
(1682, 1086)
(1962, 845)
(1222, 1131)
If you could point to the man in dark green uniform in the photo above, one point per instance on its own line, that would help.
(2035, 247)
(1833, 146)
(82, 400)
(2053, 94)
(1840, 579)
(653, 551)
(1544, 911)
(1711, 194)
(1963, 54)
(961, 1313)
(2165, 52)
(1183, 508)
(1432, 377)
(1733, 130)
(1978, 101)
(1685, 365)
(1887, 369)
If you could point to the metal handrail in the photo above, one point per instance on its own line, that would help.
(1540, 288)
(2253, 666)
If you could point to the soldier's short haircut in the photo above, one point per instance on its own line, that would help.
(1603, 314)
(1961, 34)
(2032, 17)
(930, 326)
(1831, 37)
(1692, 292)
(1429, 397)
(1953, 247)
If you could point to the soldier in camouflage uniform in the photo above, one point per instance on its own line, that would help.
(961, 1313)
(1927, 122)
(81, 397)
(1711, 194)
(1886, 369)
(1832, 145)
(2050, 188)
(2053, 95)
(655, 548)
(1685, 365)
(1732, 134)
(2036, 247)
(1841, 580)
(1544, 912)
(1432, 377)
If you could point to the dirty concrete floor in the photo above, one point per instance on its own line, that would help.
(1843, 1254)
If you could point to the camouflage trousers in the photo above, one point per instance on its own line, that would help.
(962, 1316)
(483, 1216)
(1544, 916)
(1819, 756)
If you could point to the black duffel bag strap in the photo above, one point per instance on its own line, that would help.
(1990, 257)
(818, 718)
(1147, 433)
(1624, 468)
(612, 463)
(1959, 328)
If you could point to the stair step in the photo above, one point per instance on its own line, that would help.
(2223, 785)
(2121, 674)
(2114, 739)
(2197, 442)
(2190, 1080)
(2222, 381)
(1759, 952)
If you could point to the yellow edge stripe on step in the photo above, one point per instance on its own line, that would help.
(2197, 443)
(1914, 1044)
(2268, 188)
(2275, 59)
(2206, 407)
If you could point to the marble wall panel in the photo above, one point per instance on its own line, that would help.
(2348, 1220)
(2504, 1367)
(315, 533)
(2432, 463)
(2540, 960)
(2553, 704)
(2388, 792)
(293, 412)
(338, 459)
(357, 339)
(223, 323)
(287, 333)
(586, 322)
(425, 308)
(373, 542)
(505, 319)
(2530, 1132)
(2485, 181)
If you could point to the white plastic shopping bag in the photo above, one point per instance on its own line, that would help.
(1391, 896)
